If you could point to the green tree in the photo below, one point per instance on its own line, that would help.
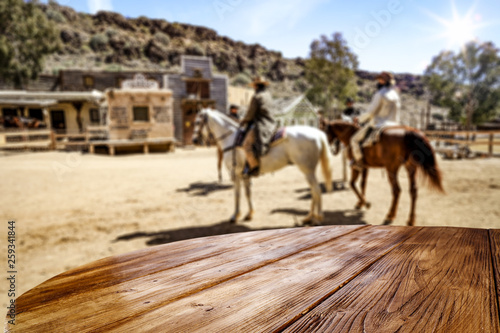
(330, 71)
(468, 83)
(27, 36)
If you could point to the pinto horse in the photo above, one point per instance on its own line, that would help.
(303, 146)
(396, 147)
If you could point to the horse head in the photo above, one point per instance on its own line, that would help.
(200, 126)
(337, 130)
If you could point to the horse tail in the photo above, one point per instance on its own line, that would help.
(326, 163)
(419, 152)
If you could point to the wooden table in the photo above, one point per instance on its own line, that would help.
(316, 279)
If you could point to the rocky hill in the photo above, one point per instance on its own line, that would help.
(109, 41)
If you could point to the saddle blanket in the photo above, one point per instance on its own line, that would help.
(278, 136)
(374, 136)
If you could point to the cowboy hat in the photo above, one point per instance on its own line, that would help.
(259, 80)
(387, 77)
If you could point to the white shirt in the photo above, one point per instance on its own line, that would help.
(384, 108)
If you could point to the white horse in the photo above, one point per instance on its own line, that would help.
(303, 146)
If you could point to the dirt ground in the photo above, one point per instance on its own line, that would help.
(71, 209)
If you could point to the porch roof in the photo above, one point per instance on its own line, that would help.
(49, 96)
(28, 102)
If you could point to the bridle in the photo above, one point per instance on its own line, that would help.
(204, 122)
(335, 139)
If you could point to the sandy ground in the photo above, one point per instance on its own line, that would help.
(71, 209)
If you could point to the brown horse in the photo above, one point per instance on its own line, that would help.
(397, 146)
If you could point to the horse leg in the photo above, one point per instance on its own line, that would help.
(313, 218)
(364, 176)
(248, 192)
(236, 214)
(354, 178)
(396, 190)
(412, 171)
(219, 163)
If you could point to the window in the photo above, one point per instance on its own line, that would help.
(36, 113)
(141, 113)
(88, 81)
(201, 89)
(9, 112)
(94, 115)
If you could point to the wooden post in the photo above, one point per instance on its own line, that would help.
(91, 148)
(490, 145)
(111, 150)
(146, 148)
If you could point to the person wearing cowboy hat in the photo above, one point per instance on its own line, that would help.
(260, 126)
(384, 110)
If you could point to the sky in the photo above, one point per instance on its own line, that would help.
(401, 36)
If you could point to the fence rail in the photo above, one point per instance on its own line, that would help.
(466, 138)
(92, 137)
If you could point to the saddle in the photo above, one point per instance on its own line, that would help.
(278, 136)
(373, 134)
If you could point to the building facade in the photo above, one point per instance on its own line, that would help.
(196, 87)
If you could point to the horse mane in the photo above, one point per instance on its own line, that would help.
(343, 128)
(224, 116)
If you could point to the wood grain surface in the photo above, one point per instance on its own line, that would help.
(119, 288)
(317, 279)
(439, 280)
(495, 255)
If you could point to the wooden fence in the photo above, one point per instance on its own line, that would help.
(40, 139)
(466, 138)
(27, 139)
(94, 136)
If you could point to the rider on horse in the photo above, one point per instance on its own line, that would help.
(260, 126)
(349, 113)
(384, 110)
(233, 112)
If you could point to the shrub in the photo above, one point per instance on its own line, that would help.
(162, 38)
(99, 42)
(241, 79)
(195, 49)
(55, 16)
(110, 32)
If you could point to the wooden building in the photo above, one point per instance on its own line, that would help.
(194, 88)
(73, 100)
(83, 80)
(64, 112)
(139, 114)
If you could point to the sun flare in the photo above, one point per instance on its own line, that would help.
(459, 29)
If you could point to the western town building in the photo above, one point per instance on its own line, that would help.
(77, 100)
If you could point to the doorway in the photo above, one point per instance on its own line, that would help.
(58, 121)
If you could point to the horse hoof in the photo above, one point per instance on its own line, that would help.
(387, 222)
(358, 206)
(315, 222)
(307, 220)
(368, 205)
(233, 219)
(410, 223)
(248, 217)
